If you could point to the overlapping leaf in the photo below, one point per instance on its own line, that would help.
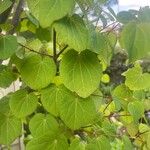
(101, 143)
(135, 79)
(10, 126)
(72, 31)
(8, 46)
(51, 98)
(48, 142)
(42, 124)
(48, 11)
(135, 39)
(77, 112)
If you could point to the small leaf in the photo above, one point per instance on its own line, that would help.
(37, 71)
(72, 31)
(6, 76)
(22, 103)
(42, 124)
(123, 94)
(135, 79)
(136, 109)
(8, 46)
(81, 73)
(77, 112)
(48, 11)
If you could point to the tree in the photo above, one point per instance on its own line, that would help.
(84, 72)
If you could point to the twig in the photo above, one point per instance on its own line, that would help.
(16, 17)
(107, 106)
(108, 26)
(32, 50)
(112, 28)
(54, 47)
(61, 51)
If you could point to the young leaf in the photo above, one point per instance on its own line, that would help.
(42, 124)
(72, 31)
(81, 73)
(135, 79)
(48, 11)
(37, 71)
(22, 103)
(136, 109)
(8, 46)
(77, 112)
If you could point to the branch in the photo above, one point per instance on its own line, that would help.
(16, 17)
(61, 51)
(54, 47)
(107, 106)
(34, 51)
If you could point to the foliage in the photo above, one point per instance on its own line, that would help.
(84, 73)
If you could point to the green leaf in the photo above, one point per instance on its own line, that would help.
(4, 5)
(96, 42)
(76, 144)
(8, 46)
(50, 142)
(136, 109)
(10, 126)
(77, 112)
(42, 124)
(123, 94)
(135, 39)
(22, 103)
(10, 129)
(101, 143)
(72, 31)
(43, 34)
(37, 71)
(4, 105)
(81, 73)
(127, 143)
(135, 79)
(48, 11)
(108, 128)
(6, 76)
(51, 98)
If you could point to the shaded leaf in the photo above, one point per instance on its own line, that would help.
(48, 11)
